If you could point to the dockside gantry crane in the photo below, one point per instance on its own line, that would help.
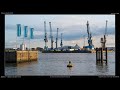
(89, 37)
(103, 40)
(105, 34)
(51, 36)
(46, 40)
(56, 39)
(61, 44)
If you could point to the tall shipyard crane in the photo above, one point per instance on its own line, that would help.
(61, 44)
(105, 33)
(104, 40)
(51, 36)
(89, 37)
(46, 40)
(56, 38)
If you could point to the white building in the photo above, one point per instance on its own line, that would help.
(23, 46)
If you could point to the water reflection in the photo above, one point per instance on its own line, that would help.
(25, 64)
(22, 65)
(70, 68)
(10, 64)
(101, 68)
(56, 64)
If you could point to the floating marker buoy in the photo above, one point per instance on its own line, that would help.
(69, 65)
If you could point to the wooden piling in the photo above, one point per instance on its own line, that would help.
(101, 50)
(106, 54)
(99, 55)
(99, 59)
(96, 54)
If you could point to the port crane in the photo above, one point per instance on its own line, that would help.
(105, 34)
(46, 40)
(57, 38)
(103, 40)
(51, 36)
(91, 46)
(61, 44)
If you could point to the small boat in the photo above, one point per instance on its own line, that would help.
(69, 65)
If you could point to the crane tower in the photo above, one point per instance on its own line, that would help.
(56, 38)
(51, 36)
(61, 44)
(90, 45)
(46, 40)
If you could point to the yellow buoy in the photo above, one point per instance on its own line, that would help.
(69, 65)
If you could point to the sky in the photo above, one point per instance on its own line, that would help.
(73, 27)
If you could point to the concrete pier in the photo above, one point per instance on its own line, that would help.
(20, 56)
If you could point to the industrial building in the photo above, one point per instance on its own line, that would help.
(69, 48)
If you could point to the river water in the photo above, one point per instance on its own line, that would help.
(56, 64)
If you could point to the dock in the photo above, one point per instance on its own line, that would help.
(16, 56)
(75, 51)
(100, 57)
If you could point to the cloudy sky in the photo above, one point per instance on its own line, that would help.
(72, 26)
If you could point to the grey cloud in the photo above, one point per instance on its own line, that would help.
(10, 27)
(77, 35)
(101, 31)
(36, 28)
(69, 33)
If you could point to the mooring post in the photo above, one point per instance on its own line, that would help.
(98, 57)
(96, 54)
(101, 55)
(106, 54)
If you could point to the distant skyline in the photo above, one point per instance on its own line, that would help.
(72, 26)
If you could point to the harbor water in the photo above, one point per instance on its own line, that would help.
(56, 64)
